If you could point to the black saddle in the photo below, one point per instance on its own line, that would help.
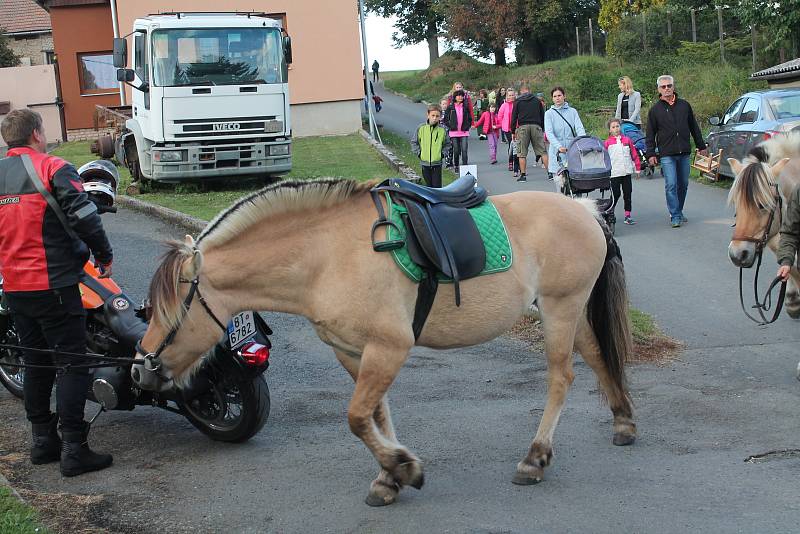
(441, 235)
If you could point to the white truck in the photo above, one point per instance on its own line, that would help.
(210, 97)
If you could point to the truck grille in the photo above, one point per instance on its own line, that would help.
(185, 128)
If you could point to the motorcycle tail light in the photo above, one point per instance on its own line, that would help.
(254, 353)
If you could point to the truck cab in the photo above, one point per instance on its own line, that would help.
(210, 97)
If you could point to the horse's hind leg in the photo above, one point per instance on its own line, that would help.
(559, 317)
(374, 374)
(618, 398)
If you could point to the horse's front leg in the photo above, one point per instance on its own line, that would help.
(379, 367)
(384, 489)
(559, 318)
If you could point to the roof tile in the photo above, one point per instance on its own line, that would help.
(18, 16)
(789, 66)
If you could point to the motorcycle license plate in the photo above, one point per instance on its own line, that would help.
(241, 328)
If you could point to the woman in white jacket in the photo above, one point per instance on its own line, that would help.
(629, 103)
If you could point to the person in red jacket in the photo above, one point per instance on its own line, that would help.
(41, 260)
(624, 161)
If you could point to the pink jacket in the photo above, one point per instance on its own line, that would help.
(489, 122)
(618, 156)
(504, 116)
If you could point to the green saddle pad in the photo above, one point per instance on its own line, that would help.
(490, 226)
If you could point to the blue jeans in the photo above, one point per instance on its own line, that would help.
(676, 183)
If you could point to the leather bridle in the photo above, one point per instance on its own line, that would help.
(152, 360)
(762, 306)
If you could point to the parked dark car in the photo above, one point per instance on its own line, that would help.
(752, 118)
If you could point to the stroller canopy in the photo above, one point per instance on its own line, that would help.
(587, 159)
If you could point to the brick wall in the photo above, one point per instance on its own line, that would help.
(87, 134)
(32, 47)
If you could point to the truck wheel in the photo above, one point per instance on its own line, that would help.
(105, 146)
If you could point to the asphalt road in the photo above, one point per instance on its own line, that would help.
(471, 414)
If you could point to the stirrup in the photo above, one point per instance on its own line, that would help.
(389, 244)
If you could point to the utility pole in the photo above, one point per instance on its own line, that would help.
(591, 39)
(721, 35)
(367, 86)
(694, 27)
(577, 42)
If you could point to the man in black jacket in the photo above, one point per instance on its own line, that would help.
(670, 124)
(41, 260)
(527, 123)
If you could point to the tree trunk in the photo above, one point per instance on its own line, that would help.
(433, 41)
(530, 51)
(499, 57)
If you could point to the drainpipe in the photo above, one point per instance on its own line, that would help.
(115, 28)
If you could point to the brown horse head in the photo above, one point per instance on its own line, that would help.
(755, 197)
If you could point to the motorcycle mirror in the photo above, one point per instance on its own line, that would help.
(105, 394)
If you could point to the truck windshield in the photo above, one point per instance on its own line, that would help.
(217, 56)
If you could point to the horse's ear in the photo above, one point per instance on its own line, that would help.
(191, 266)
(778, 167)
(734, 163)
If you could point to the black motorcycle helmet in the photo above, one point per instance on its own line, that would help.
(100, 178)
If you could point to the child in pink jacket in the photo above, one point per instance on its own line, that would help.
(491, 129)
(504, 119)
(624, 160)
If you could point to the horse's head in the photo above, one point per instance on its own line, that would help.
(755, 197)
(178, 334)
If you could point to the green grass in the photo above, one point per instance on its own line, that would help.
(312, 157)
(394, 74)
(17, 517)
(643, 326)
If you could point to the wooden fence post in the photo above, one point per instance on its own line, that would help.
(694, 27)
(669, 27)
(577, 42)
(753, 42)
(591, 39)
(644, 31)
(721, 35)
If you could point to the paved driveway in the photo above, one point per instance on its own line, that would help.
(470, 414)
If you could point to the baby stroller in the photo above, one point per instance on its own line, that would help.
(588, 168)
(633, 132)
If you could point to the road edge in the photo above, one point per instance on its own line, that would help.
(5, 482)
(395, 162)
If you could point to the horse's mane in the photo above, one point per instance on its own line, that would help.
(753, 188)
(283, 197)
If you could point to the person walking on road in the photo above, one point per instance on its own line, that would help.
(490, 129)
(504, 119)
(624, 162)
(629, 103)
(459, 122)
(527, 123)
(49, 228)
(562, 124)
(375, 67)
(458, 86)
(431, 145)
(670, 126)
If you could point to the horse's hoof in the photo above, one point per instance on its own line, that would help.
(418, 482)
(377, 500)
(623, 438)
(527, 474)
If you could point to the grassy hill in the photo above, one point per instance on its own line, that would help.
(590, 82)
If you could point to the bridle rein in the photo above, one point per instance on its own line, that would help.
(152, 360)
(763, 306)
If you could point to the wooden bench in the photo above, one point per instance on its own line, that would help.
(707, 165)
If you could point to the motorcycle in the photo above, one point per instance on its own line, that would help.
(227, 398)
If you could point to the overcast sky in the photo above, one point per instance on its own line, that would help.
(379, 46)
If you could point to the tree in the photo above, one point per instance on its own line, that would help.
(7, 56)
(781, 19)
(484, 26)
(417, 21)
(612, 12)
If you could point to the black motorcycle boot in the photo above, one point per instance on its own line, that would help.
(46, 445)
(76, 456)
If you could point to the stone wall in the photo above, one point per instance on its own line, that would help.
(87, 134)
(32, 47)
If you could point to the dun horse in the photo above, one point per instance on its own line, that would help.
(304, 248)
(764, 182)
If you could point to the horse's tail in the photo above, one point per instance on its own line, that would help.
(607, 312)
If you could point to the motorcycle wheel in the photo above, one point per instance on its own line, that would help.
(11, 377)
(230, 411)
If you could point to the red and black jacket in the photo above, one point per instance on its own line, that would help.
(36, 253)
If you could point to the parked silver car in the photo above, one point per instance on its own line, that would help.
(754, 117)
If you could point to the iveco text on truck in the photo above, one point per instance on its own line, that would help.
(210, 97)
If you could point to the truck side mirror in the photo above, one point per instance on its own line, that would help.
(120, 53)
(125, 75)
(287, 48)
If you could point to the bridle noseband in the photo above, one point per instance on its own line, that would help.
(762, 306)
(152, 360)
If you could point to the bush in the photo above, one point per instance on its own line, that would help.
(737, 50)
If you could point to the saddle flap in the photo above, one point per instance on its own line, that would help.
(430, 244)
(460, 234)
